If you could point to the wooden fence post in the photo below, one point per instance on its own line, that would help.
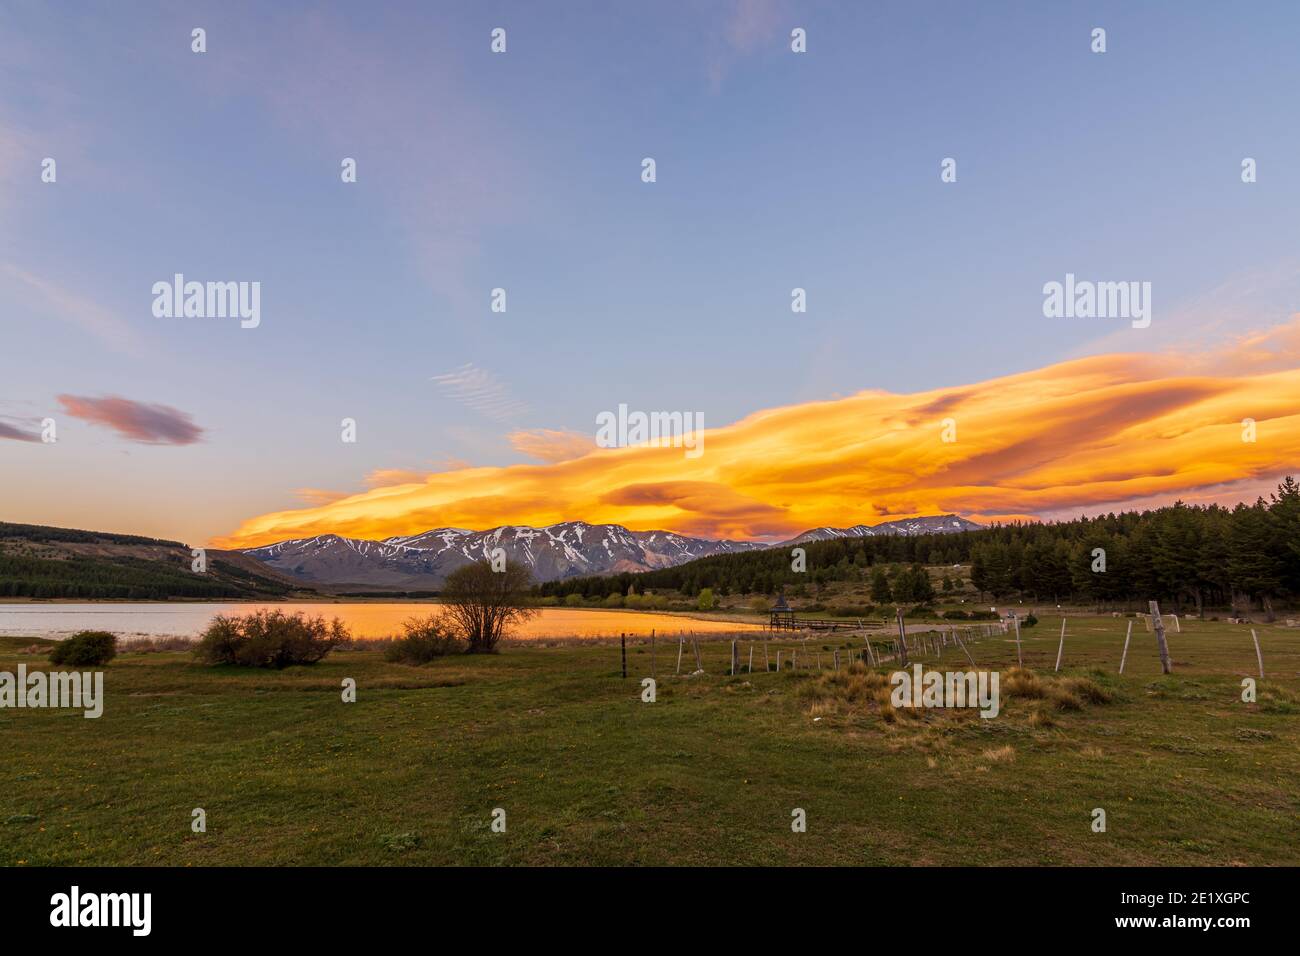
(681, 644)
(699, 662)
(1258, 656)
(902, 638)
(767, 665)
(751, 657)
(653, 675)
(1060, 648)
(1020, 659)
(622, 640)
(1123, 657)
(1159, 626)
(963, 649)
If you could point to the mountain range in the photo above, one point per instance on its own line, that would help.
(569, 549)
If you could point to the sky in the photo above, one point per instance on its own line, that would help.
(522, 171)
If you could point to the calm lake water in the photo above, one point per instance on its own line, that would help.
(364, 620)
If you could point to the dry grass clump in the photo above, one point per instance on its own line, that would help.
(157, 645)
(1005, 754)
(857, 688)
(1018, 682)
(1040, 717)
(1058, 693)
(853, 685)
(854, 689)
(1087, 689)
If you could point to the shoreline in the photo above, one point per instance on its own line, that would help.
(131, 620)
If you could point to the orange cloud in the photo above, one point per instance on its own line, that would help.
(392, 476)
(551, 444)
(1079, 435)
(318, 496)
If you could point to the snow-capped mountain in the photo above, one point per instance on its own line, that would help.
(930, 524)
(570, 549)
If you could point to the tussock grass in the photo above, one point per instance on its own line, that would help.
(1057, 693)
(1022, 683)
(1040, 717)
(859, 690)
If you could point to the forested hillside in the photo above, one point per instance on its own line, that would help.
(1189, 555)
(41, 562)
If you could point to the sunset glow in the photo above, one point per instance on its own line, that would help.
(1077, 435)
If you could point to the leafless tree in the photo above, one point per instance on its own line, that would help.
(482, 604)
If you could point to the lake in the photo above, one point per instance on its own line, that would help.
(364, 620)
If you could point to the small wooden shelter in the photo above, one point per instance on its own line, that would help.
(782, 615)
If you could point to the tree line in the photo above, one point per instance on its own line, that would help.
(1187, 555)
(132, 579)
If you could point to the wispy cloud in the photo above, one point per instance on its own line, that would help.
(17, 432)
(386, 477)
(748, 26)
(1267, 297)
(480, 390)
(551, 444)
(84, 312)
(136, 421)
(318, 496)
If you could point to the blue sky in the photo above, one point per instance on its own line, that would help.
(521, 171)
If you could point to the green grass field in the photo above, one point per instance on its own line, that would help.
(709, 774)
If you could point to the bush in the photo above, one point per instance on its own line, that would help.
(85, 649)
(422, 640)
(1029, 621)
(269, 639)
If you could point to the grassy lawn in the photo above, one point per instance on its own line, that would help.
(709, 774)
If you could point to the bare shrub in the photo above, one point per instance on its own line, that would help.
(423, 640)
(269, 639)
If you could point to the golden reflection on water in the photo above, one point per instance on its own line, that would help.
(363, 620)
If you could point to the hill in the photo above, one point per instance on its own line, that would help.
(43, 562)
